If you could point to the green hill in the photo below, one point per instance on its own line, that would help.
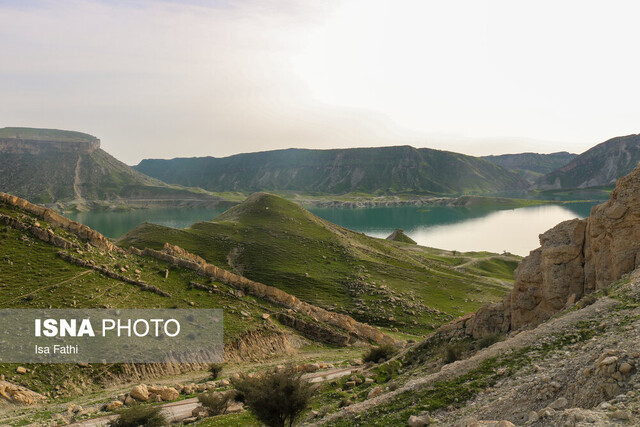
(274, 241)
(532, 166)
(45, 264)
(399, 236)
(599, 166)
(385, 170)
(69, 169)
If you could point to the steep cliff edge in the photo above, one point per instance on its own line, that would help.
(575, 258)
(38, 141)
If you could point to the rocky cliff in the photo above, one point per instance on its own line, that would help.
(575, 258)
(68, 169)
(32, 146)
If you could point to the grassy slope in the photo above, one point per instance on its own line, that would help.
(274, 241)
(33, 276)
(385, 170)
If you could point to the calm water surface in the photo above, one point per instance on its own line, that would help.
(454, 228)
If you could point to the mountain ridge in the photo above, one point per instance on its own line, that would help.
(601, 165)
(397, 169)
(531, 166)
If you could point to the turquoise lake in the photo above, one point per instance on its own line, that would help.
(454, 228)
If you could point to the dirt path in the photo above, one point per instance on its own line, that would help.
(174, 411)
(461, 367)
(178, 411)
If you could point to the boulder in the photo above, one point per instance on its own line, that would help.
(169, 394)
(200, 412)
(374, 392)
(140, 393)
(419, 421)
(113, 405)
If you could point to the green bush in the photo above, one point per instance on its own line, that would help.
(215, 369)
(453, 351)
(587, 300)
(277, 399)
(216, 403)
(487, 341)
(140, 416)
(380, 354)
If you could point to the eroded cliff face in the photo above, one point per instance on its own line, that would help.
(575, 258)
(32, 146)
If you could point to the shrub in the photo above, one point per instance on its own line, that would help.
(277, 399)
(453, 351)
(140, 416)
(587, 300)
(216, 403)
(215, 369)
(487, 340)
(380, 354)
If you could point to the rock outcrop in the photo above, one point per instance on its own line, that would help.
(575, 258)
(16, 394)
(57, 220)
(17, 144)
(182, 258)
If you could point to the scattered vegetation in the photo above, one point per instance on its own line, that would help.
(453, 351)
(277, 399)
(487, 341)
(215, 369)
(380, 354)
(216, 402)
(140, 416)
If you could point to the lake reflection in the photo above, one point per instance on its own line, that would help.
(454, 228)
(513, 230)
(461, 228)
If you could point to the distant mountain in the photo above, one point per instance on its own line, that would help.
(601, 165)
(385, 170)
(69, 168)
(532, 166)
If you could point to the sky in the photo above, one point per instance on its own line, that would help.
(164, 79)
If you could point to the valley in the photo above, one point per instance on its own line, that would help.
(310, 279)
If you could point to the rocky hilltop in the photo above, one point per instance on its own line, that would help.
(601, 165)
(68, 169)
(39, 141)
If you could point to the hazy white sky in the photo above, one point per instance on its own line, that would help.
(166, 79)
